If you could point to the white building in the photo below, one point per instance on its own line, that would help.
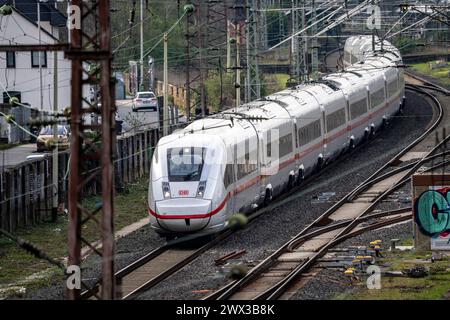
(20, 73)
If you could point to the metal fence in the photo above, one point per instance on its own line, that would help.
(26, 190)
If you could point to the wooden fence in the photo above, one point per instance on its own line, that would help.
(26, 190)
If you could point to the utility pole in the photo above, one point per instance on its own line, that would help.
(187, 99)
(38, 3)
(298, 43)
(253, 81)
(141, 83)
(166, 91)
(238, 65)
(201, 63)
(92, 46)
(228, 47)
(314, 45)
(216, 35)
(55, 139)
(373, 37)
(194, 64)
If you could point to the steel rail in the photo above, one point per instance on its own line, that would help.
(428, 84)
(220, 237)
(256, 271)
(179, 264)
(218, 295)
(276, 290)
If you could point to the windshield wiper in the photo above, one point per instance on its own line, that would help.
(190, 175)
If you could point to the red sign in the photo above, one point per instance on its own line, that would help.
(183, 192)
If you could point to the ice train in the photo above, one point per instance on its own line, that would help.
(239, 159)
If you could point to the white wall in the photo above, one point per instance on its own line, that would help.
(16, 29)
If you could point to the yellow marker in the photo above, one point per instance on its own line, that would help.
(349, 271)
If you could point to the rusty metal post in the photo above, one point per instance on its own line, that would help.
(90, 52)
(108, 143)
(74, 229)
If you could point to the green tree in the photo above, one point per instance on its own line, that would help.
(157, 19)
(220, 90)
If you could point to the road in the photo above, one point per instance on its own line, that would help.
(16, 155)
(139, 120)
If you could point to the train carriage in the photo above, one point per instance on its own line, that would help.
(239, 159)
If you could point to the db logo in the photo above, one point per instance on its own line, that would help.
(183, 192)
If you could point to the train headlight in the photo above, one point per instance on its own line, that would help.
(166, 190)
(201, 189)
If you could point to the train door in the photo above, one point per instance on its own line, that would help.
(350, 138)
(295, 133)
(230, 173)
(262, 165)
(322, 156)
(247, 189)
(269, 163)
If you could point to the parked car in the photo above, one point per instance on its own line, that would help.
(45, 140)
(145, 100)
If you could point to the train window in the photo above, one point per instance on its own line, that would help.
(296, 137)
(335, 119)
(248, 163)
(269, 144)
(377, 98)
(247, 148)
(228, 177)
(309, 133)
(186, 163)
(245, 166)
(285, 145)
(316, 132)
(392, 88)
(358, 108)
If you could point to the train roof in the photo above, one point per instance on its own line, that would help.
(308, 98)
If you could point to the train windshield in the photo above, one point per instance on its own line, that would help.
(185, 164)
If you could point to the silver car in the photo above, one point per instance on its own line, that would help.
(145, 100)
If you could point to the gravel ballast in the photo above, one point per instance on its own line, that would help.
(272, 229)
(331, 282)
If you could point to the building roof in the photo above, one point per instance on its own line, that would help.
(49, 12)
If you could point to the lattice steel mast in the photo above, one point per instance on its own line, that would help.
(90, 53)
(253, 43)
(299, 70)
(314, 45)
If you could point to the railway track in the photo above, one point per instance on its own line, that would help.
(161, 263)
(166, 260)
(282, 273)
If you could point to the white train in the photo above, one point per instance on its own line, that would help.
(239, 159)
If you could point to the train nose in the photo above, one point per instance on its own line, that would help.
(183, 215)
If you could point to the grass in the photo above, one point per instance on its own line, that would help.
(16, 265)
(432, 287)
(276, 82)
(442, 74)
